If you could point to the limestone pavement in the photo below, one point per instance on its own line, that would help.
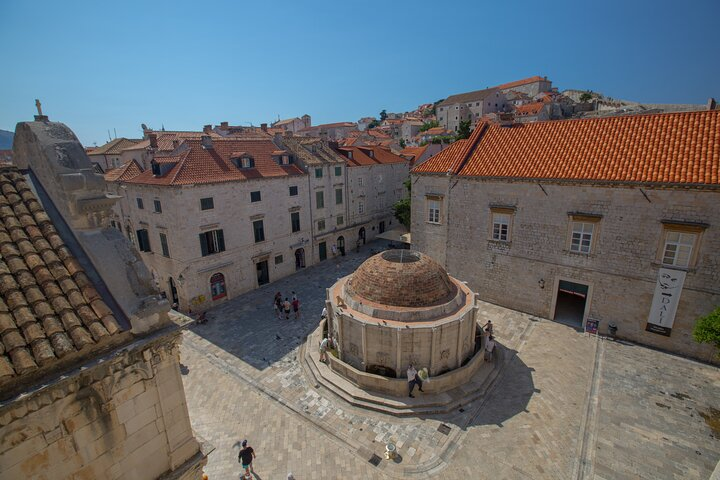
(563, 404)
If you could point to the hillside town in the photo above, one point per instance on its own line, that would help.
(518, 281)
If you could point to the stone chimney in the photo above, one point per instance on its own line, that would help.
(153, 140)
(207, 129)
(711, 104)
(505, 119)
(263, 127)
(224, 125)
(206, 141)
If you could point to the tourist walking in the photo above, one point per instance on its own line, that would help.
(286, 308)
(489, 348)
(277, 305)
(489, 327)
(296, 308)
(245, 457)
(323, 349)
(413, 379)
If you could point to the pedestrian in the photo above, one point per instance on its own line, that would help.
(296, 308)
(413, 379)
(323, 315)
(286, 308)
(277, 304)
(323, 349)
(245, 457)
(294, 296)
(334, 250)
(489, 327)
(489, 348)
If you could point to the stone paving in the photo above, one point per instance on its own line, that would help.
(564, 405)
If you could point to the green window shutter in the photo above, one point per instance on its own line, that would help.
(220, 240)
(203, 245)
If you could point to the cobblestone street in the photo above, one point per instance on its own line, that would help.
(563, 405)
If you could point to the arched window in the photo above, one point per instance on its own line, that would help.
(217, 286)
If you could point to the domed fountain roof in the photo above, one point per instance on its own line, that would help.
(402, 278)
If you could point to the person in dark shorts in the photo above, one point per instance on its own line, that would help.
(296, 308)
(245, 457)
(286, 308)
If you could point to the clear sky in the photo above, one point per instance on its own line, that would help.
(100, 66)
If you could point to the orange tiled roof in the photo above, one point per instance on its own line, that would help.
(125, 172)
(114, 147)
(434, 131)
(361, 155)
(524, 81)
(165, 139)
(678, 148)
(529, 108)
(49, 308)
(414, 153)
(195, 164)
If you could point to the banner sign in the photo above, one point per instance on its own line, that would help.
(591, 326)
(665, 301)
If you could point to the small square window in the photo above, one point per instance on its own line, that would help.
(581, 239)
(338, 171)
(278, 259)
(207, 203)
(678, 248)
(254, 197)
(293, 190)
(340, 220)
(501, 227)
(321, 224)
(140, 203)
(433, 209)
(318, 173)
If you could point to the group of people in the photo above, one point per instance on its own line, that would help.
(283, 307)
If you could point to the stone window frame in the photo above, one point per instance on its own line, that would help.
(164, 245)
(258, 230)
(340, 220)
(319, 199)
(361, 207)
(295, 225)
(687, 228)
(338, 196)
(278, 259)
(321, 225)
(318, 172)
(207, 203)
(293, 190)
(255, 196)
(436, 218)
(575, 218)
(497, 211)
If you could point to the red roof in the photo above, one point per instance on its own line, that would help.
(195, 164)
(127, 171)
(434, 131)
(524, 81)
(414, 153)
(530, 108)
(662, 148)
(361, 156)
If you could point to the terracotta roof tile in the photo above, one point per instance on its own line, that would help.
(524, 81)
(362, 155)
(529, 108)
(41, 304)
(678, 148)
(114, 147)
(130, 169)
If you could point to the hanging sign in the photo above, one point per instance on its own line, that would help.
(665, 301)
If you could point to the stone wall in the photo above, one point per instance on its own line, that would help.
(123, 416)
(621, 270)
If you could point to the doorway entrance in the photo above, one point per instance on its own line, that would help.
(341, 245)
(262, 273)
(299, 258)
(381, 227)
(173, 291)
(322, 248)
(361, 235)
(570, 303)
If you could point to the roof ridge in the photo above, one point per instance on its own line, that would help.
(181, 166)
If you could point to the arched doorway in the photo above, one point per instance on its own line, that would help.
(173, 291)
(341, 245)
(299, 258)
(217, 286)
(361, 235)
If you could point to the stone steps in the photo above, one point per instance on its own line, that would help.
(321, 376)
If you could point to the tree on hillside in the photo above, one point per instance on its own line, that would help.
(383, 115)
(707, 329)
(373, 124)
(585, 97)
(463, 130)
(428, 125)
(402, 143)
(402, 209)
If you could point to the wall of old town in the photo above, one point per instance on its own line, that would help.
(125, 417)
(621, 270)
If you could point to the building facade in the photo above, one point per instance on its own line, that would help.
(469, 106)
(583, 222)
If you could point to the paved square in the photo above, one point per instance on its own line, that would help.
(563, 404)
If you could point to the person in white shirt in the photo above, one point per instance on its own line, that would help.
(324, 313)
(323, 349)
(489, 348)
(413, 379)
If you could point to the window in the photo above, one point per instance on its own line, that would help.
(254, 197)
(321, 224)
(295, 221)
(678, 248)
(318, 173)
(338, 196)
(361, 207)
(217, 286)
(155, 168)
(278, 259)
(433, 208)
(259, 231)
(360, 182)
(340, 220)
(164, 245)
(207, 203)
(293, 191)
(143, 240)
(319, 199)
(158, 206)
(501, 223)
(212, 242)
(140, 203)
(581, 240)
(338, 171)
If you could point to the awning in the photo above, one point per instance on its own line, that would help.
(398, 234)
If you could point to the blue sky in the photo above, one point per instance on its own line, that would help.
(100, 66)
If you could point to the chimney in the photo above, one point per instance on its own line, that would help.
(206, 142)
(505, 119)
(263, 127)
(153, 140)
(711, 104)
(224, 125)
(207, 128)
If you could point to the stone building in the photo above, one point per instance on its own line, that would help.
(469, 106)
(530, 86)
(90, 384)
(592, 222)
(294, 124)
(110, 155)
(215, 217)
(329, 131)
